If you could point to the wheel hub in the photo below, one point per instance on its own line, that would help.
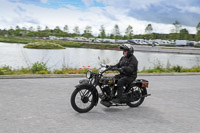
(85, 99)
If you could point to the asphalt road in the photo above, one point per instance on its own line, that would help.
(43, 106)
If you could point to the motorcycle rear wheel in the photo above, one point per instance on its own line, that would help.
(82, 100)
(139, 101)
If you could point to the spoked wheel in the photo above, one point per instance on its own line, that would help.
(138, 99)
(82, 100)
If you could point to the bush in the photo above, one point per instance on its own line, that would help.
(44, 72)
(5, 70)
(38, 67)
(177, 68)
(58, 72)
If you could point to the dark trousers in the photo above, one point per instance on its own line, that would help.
(123, 81)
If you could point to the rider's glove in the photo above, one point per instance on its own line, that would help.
(120, 70)
(107, 66)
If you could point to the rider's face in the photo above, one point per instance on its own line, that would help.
(125, 52)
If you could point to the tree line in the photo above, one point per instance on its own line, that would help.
(177, 33)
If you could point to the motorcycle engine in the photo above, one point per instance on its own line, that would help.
(107, 80)
(107, 90)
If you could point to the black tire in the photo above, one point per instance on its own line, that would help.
(139, 101)
(85, 99)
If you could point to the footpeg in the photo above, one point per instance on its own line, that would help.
(105, 103)
(146, 95)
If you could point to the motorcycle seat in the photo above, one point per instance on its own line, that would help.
(131, 84)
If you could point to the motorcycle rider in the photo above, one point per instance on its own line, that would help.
(127, 66)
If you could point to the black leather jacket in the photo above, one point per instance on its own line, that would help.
(128, 65)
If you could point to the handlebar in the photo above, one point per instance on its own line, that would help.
(110, 68)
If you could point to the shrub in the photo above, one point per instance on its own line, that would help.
(177, 68)
(37, 67)
(44, 72)
(5, 70)
(58, 72)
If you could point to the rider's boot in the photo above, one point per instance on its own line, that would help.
(118, 99)
(106, 103)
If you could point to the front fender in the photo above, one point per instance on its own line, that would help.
(93, 90)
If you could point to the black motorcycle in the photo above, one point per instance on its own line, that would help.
(86, 95)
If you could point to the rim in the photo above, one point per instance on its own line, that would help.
(139, 94)
(83, 99)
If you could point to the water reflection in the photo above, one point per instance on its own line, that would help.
(16, 56)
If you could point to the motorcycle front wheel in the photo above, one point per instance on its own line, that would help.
(82, 100)
(138, 95)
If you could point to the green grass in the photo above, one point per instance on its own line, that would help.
(44, 45)
(26, 40)
(15, 39)
(177, 69)
(41, 68)
(84, 44)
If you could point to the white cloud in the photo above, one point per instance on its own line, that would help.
(31, 15)
(88, 2)
(191, 9)
(136, 4)
(44, 1)
(71, 7)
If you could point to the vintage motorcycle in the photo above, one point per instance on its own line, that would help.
(86, 95)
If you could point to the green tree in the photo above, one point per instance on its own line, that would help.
(116, 32)
(17, 31)
(76, 30)
(66, 28)
(39, 28)
(24, 31)
(47, 28)
(112, 36)
(11, 31)
(184, 34)
(102, 32)
(197, 36)
(31, 29)
(198, 27)
(153, 36)
(46, 32)
(177, 27)
(87, 32)
(58, 31)
(129, 32)
(149, 29)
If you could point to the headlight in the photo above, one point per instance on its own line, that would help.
(89, 74)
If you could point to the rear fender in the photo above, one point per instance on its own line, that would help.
(143, 84)
(144, 91)
(93, 90)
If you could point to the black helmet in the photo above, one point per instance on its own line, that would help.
(127, 47)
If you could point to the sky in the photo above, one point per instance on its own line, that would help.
(137, 13)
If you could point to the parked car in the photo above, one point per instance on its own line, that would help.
(181, 42)
(109, 40)
(98, 40)
(121, 41)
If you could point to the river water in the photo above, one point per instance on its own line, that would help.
(16, 56)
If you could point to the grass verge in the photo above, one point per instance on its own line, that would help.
(41, 68)
(43, 45)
